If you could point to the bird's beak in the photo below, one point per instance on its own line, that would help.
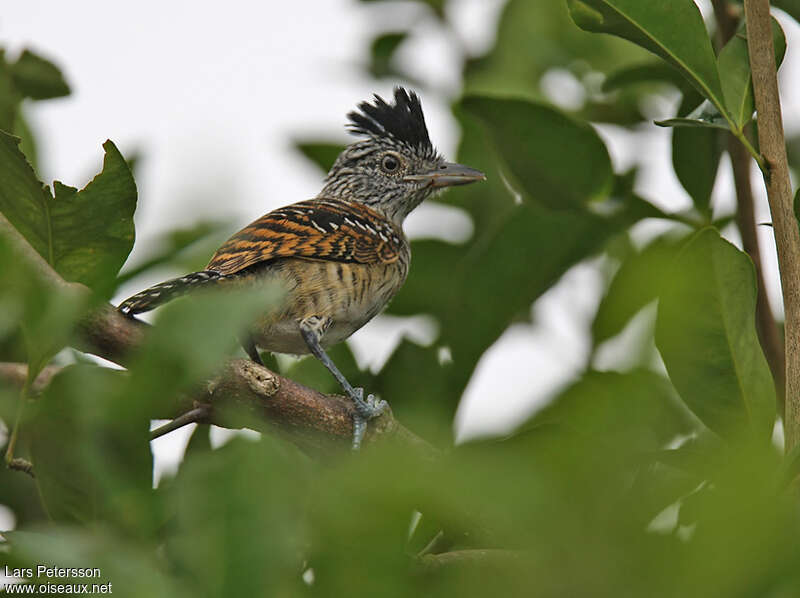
(448, 174)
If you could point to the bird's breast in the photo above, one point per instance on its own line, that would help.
(350, 294)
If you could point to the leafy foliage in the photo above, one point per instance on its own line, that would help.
(90, 250)
(640, 480)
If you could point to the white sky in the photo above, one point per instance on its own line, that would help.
(212, 95)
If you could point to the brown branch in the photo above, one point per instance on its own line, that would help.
(16, 374)
(727, 17)
(243, 394)
(779, 194)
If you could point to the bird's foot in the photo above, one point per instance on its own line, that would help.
(366, 410)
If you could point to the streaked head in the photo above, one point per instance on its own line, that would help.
(394, 166)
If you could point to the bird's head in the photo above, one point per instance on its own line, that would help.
(394, 167)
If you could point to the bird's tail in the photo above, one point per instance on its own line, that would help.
(166, 291)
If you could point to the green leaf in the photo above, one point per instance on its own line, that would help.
(650, 72)
(672, 30)
(9, 96)
(219, 499)
(705, 331)
(797, 206)
(436, 5)
(696, 152)
(791, 7)
(320, 153)
(192, 335)
(90, 450)
(382, 52)
(129, 568)
(705, 115)
(634, 285)
(38, 78)
(28, 303)
(85, 235)
(416, 399)
(536, 37)
(734, 71)
(541, 147)
(639, 406)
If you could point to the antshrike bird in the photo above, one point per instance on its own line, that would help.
(341, 256)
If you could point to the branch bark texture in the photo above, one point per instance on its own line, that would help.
(779, 193)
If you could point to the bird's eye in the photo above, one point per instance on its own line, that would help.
(390, 163)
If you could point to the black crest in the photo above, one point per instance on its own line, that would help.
(402, 120)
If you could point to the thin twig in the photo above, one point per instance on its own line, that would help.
(779, 193)
(193, 416)
(17, 373)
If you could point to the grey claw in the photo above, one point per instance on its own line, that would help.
(365, 410)
(359, 428)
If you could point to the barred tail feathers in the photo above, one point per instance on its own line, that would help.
(166, 291)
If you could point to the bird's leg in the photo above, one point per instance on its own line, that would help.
(249, 346)
(312, 329)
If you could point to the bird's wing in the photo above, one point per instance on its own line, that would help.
(318, 229)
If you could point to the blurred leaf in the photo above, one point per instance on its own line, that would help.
(382, 52)
(320, 153)
(642, 73)
(131, 569)
(436, 5)
(696, 152)
(169, 245)
(28, 145)
(85, 235)
(28, 304)
(632, 412)
(9, 96)
(734, 71)
(705, 115)
(674, 31)
(239, 526)
(793, 151)
(797, 206)
(38, 78)
(91, 453)
(191, 336)
(414, 381)
(705, 331)
(541, 148)
(536, 37)
(791, 7)
(634, 285)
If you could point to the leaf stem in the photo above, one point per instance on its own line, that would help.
(12, 440)
(742, 137)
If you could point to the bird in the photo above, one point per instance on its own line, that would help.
(341, 256)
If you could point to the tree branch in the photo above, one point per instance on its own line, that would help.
(727, 17)
(779, 193)
(17, 373)
(268, 401)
